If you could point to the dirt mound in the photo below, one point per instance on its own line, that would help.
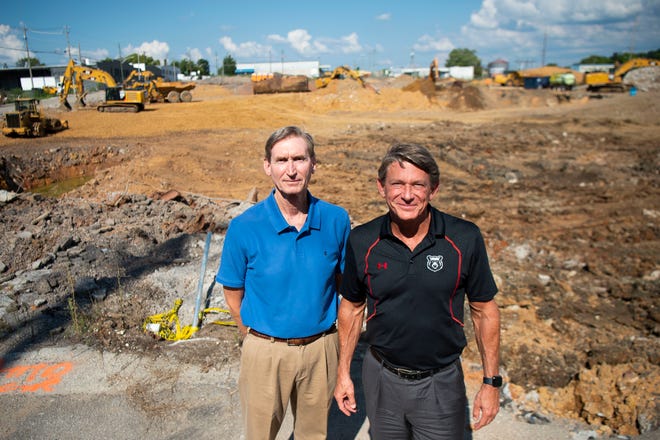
(644, 79)
(467, 98)
(426, 86)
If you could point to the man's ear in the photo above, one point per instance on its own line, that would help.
(381, 188)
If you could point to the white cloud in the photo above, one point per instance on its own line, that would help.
(427, 43)
(11, 47)
(194, 54)
(92, 55)
(300, 41)
(384, 17)
(276, 38)
(350, 44)
(249, 49)
(155, 49)
(570, 29)
(486, 17)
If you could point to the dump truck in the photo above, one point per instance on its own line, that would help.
(562, 81)
(612, 81)
(278, 83)
(116, 99)
(28, 120)
(157, 89)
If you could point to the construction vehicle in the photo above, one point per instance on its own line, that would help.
(342, 72)
(613, 80)
(562, 80)
(278, 83)
(509, 79)
(116, 99)
(159, 90)
(28, 120)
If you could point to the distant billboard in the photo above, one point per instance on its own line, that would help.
(37, 82)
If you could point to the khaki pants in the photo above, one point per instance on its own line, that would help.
(274, 374)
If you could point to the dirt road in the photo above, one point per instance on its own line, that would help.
(564, 188)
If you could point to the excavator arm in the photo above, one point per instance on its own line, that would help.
(75, 75)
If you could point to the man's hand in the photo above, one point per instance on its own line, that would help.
(486, 406)
(345, 395)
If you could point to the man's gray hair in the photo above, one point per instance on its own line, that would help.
(287, 132)
(414, 154)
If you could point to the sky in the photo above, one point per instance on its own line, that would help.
(370, 35)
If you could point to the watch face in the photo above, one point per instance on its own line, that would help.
(495, 381)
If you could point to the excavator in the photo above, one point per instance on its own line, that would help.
(116, 99)
(157, 89)
(340, 73)
(613, 80)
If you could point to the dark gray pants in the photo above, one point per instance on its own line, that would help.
(432, 408)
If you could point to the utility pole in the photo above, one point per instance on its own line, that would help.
(27, 50)
(545, 42)
(68, 44)
(121, 63)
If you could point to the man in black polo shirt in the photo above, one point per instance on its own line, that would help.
(412, 269)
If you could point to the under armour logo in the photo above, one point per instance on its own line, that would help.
(381, 266)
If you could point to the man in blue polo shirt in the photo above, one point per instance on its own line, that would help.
(281, 266)
(412, 268)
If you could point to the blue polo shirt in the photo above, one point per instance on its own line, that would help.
(288, 275)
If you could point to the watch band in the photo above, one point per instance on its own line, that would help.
(495, 381)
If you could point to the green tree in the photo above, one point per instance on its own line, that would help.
(141, 58)
(228, 65)
(23, 62)
(596, 59)
(186, 66)
(653, 54)
(465, 57)
(203, 67)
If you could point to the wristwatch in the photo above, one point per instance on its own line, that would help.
(495, 381)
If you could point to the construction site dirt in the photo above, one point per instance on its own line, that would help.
(104, 224)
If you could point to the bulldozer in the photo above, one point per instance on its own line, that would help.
(157, 89)
(612, 81)
(28, 120)
(116, 99)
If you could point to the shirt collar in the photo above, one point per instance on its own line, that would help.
(436, 229)
(277, 219)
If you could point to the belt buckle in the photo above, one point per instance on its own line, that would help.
(410, 374)
(290, 343)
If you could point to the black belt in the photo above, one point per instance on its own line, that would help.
(405, 373)
(294, 341)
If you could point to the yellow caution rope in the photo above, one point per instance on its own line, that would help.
(167, 325)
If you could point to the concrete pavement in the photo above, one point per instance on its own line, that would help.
(77, 392)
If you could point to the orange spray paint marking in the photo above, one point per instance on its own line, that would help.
(32, 378)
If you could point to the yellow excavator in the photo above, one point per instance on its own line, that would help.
(613, 80)
(342, 72)
(116, 98)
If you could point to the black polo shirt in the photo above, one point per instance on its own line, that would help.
(415, 299)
